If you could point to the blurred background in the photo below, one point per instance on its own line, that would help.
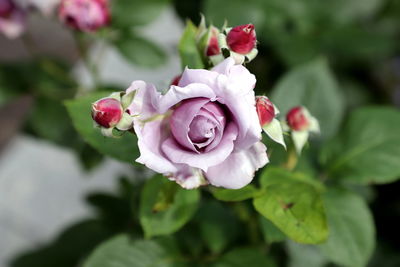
(47, 170)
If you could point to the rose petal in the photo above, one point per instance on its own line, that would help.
(203, 160)
(238, 169)
(177, 94)
(183, 117)
(145, 101)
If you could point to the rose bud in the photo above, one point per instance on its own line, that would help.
(12, 19)
(242, 39)
(265, 110)
(266, 114)
(6, 7)
(298, 119)
(239, 42)
(213, 46)
(301, 124)
(84, 15)
(107, 112)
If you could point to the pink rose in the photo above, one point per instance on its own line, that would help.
(205, 130)
(84, 15)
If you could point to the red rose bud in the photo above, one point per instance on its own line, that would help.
(107, 112)
(176, 80)
(6, 7)
(242, 39)
(84, 15)
(265, 110)
(213, 46)
(298, 119)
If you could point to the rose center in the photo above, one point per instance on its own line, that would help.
(201, 129)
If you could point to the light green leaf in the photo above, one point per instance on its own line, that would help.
(294, 205)
(121, 251)
(244, 257)
(165, 207)
(140, 51)
(352, 233)
(270, 232)
(188, 51)
(368, 150)
(124, 148)
(129, 13)
(313, 86)
(241, 194)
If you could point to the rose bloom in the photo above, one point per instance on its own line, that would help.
(12, 19)
(204, 130)
(84, 15)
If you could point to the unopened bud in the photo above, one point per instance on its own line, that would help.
(265, 110)
(242, 39)
(213, 46)
(298, 119)
(107, 112)
(84, 15)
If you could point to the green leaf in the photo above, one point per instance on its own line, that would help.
(124, 148)
(129, 13)
(165, 207)
(294, 205)
(270, 232)
(121, 251)
(368, 150)
(140, 51)
(313, 86)
(241, 194)
(218, 225)
(352, 234)
(244, 257)
(188, 51)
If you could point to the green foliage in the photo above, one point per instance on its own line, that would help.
(165, 207)
(128, 13)
(140, 51)
(188, 51)
(368, 150)
(122, 251)
(245, 257)
(218, 226)
(124, 149)
(270, 232)
(294, 205)
(352, 233)
(241, 194)
(313, 86)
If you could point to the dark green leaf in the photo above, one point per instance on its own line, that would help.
(165, 207)
(352, 233)
(313, 86)
(293, 203)
(369, 148)
(218, 226)
(188, 51)
(244, 193)
(244, 257)
(140, 51)
(124, 148)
